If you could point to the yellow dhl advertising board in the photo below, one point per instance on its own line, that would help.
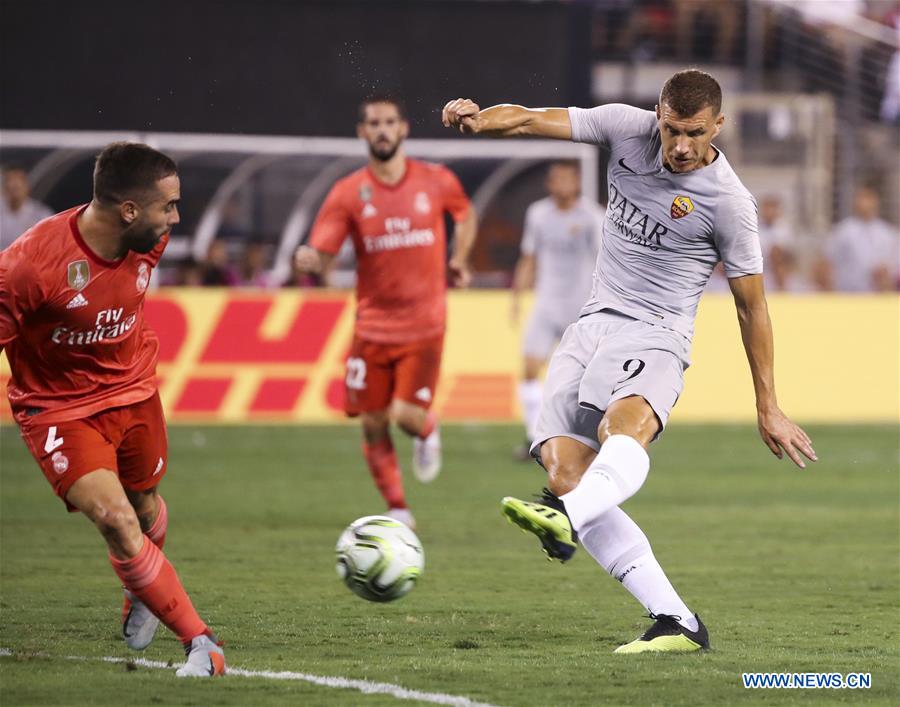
(244, 356)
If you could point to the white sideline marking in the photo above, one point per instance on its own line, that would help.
(385, 688)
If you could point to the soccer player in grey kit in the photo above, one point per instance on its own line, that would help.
(559, 246)
(675, 209)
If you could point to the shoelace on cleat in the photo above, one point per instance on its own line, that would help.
(662, 620)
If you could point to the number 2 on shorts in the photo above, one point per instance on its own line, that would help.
(356, 373)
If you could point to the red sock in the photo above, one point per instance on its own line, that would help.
(157, 532)
(152, 579)
(382, 460)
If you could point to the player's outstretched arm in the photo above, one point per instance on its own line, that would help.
(780, 434)
(506, 120)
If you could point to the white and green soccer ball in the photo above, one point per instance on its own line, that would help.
(379, 558)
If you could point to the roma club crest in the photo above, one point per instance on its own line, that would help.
(79, 274)
(681, 207)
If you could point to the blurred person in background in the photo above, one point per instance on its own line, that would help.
(18, 211)
(187, 273)
(217, 268)
(862, 252)
(676, 208)
(393, 210)
(254, 262)
(559, 248)
(890, 100)
(714, 22)
(776, 241)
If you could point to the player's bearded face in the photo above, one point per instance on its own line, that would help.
(383, 129)
(686, 140)
(155, 216)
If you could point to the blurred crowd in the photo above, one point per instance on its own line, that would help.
(807, 45)
(861, 254)
(841, 47)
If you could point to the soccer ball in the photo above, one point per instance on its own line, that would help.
(379, 558)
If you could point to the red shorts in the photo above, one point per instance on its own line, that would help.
(130, 441)
(379, 373)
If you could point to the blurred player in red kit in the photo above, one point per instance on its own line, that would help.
(393, 209)
(83, 385)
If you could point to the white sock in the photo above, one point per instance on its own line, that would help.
(530, 392)
(615, 475)
(618, 544)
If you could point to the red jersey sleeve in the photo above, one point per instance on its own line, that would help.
(455, 200)
(20, 294)
(334, 222)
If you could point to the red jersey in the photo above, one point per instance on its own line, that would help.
(73, 324)
(401, 247)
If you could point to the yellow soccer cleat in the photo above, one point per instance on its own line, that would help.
(666, 635)
(548, 520)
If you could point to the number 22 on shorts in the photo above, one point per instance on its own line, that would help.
(53, 442)
(356, 373)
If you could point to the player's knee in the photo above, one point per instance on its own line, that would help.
(408, 417)
(630, 416)
(410, 422)
(118, 523)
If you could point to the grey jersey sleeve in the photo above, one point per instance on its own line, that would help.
(737, 235)
(530, 234)
(605, 125)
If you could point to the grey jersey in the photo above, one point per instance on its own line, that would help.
(664, 232)
(564, 244)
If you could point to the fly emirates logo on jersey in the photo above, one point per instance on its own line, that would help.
(400, 234)
(633, 223)
(109, 324)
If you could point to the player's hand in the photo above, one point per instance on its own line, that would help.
(462, 114)
(307, 260)
(784, 437)
(459, 274)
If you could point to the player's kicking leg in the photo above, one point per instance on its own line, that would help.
(585, 491)
(565, 460)
(145, 571)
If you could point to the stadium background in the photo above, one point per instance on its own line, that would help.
(803, 97)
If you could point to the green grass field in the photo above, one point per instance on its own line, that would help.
(793, 571)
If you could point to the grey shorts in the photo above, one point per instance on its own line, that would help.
(602, 358)
(544, 329)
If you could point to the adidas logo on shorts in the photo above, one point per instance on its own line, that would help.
(78, 300)
(424, 394)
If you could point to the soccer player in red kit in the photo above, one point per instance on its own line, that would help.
(393, 209)
(83, 385)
